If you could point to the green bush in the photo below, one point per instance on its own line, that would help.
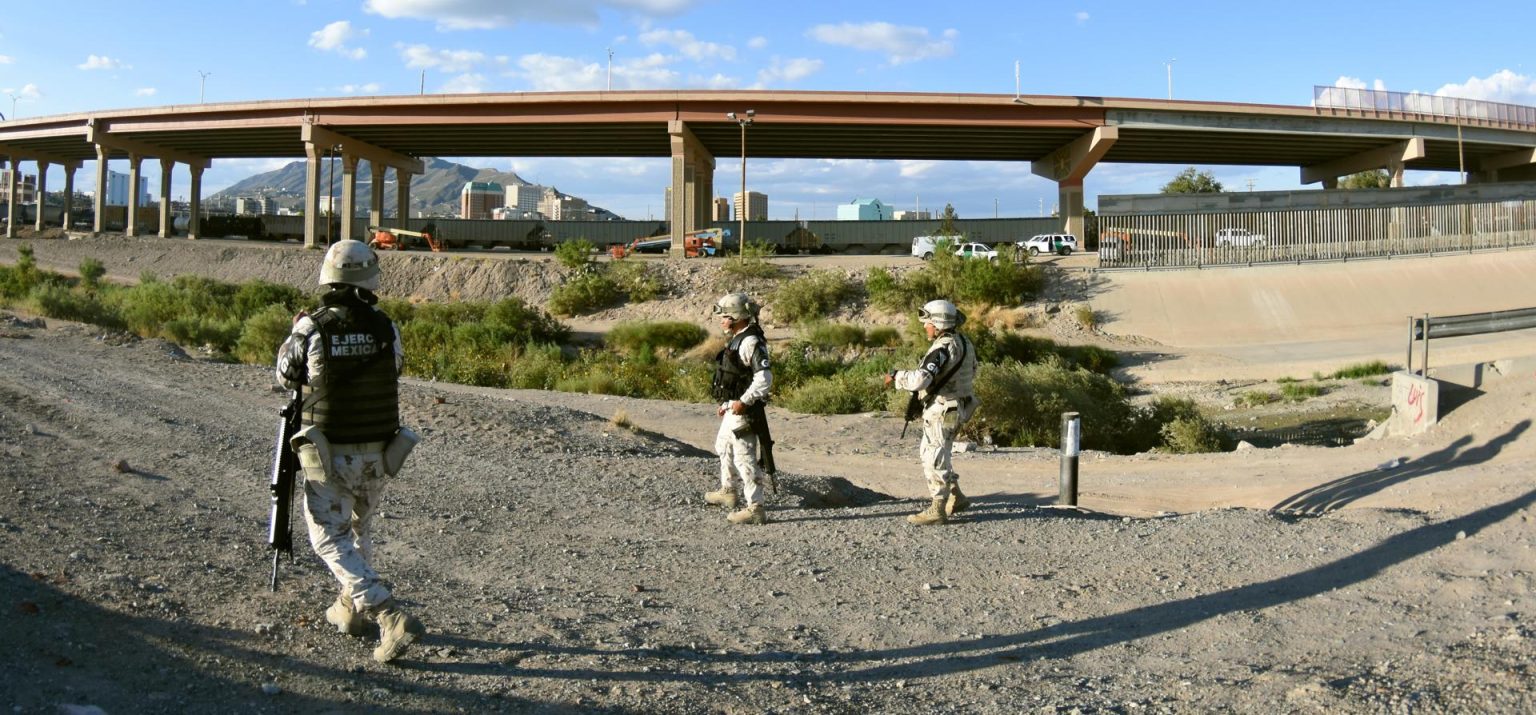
(1021, 406)
(262, 334)
(19, 280)
(575, 253)
(1364, 369)
(1086, 317)
(840, 394)
(998, 346)
(91, 271)
(253, 297)
(54, 300)
(883, 337)
(1194, 435)
(885, 290)
(832, 335)
(584, 294)
(636, 280)
(1256, 398)
(539, 367)
(811, 296)
(675, 336)
(751, 262)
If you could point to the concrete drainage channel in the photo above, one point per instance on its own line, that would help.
(1331, 432)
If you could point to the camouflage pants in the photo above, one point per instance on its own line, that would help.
(738, 459)
(339, 503)
(940, 424)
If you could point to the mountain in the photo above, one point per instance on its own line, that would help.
(434, 193)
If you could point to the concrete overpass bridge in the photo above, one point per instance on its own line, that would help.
(1063, 138)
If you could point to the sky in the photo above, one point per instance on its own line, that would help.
(109, 54)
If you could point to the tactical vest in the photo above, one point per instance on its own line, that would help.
(962, 378)
(358, 398)
(732, 376)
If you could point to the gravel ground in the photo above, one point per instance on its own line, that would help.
(565, 565)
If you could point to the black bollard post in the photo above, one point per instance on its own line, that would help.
(1071, 438)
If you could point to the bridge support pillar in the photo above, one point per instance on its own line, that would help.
(69, 194)
(312, 195)
(376, 194)
(195, 202)
(1070, 196)
(99, 223)
(402, 198)
(348, 194)
(692, 164)
(135, 170)
(13, 178)
(42, 193)
(166, 229)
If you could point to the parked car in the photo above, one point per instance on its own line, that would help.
(1059, 243)
(975, 250)
(1239, 237)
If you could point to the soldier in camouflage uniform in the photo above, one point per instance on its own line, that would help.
(742, 378)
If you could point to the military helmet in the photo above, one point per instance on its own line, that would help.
(941, 314)
(352, 263)
(737, 306)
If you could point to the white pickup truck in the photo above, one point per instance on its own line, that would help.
(1239, 237)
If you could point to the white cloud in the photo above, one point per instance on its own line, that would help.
(787, 71)
(468, 83)
(5, 59)
(102, 62)
(1081, 17)
(900, 44)
(690, 46)
(424, 57)
(27, 91)
(1502, 86)
(757, 43)
(715, 81)
(367, 88)
(488, 14)
(1357, 83)
(338, 37)
(145, 92)
(553, 73)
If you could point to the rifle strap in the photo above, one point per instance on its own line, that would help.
(942, 380)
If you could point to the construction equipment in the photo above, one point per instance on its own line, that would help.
(399, 239)
(707, 242)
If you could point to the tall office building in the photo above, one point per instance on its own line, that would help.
(720, 210)
(756, 209)
(26, 188)
(480, 199)
(524, 198)
(117, 189)
(560, 207)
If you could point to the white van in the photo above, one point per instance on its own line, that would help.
(924, 246)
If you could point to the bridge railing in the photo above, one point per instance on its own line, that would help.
(1394, 104)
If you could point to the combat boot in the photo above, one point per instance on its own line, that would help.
(397, 630)
(934, 514)
(346, 618)
(725, 496)
(752, 514)
(957, 501)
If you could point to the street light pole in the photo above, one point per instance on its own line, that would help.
(201, 85)
(744, 120)
(1169, 64)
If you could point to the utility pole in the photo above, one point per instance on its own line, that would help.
(1169, 63)
(1015, 80)
(423, 89)
(994, 207)
(610, 69)
(744, 120)
(203, 84)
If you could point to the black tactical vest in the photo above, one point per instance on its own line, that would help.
(358, 398)
(732, 377)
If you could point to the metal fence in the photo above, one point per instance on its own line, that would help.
(1390, 104)
(1194, 240)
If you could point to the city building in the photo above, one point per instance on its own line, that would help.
(255, 205)
(560, 207)
(720, 210)
(864, 210)
(756, 209)
(478, 199)
(913, 215)
(524, 198)
(117, 189)
(26, 188)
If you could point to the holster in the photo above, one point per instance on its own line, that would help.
(398, 449)
(313, 436)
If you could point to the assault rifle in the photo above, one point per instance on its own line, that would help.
(285, 467)
(914, 411)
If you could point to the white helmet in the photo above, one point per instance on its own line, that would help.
(352, 263)
(941, 314)
(738, 306)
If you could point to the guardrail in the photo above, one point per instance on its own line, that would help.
(1450, 326)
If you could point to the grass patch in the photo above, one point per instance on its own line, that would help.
(673, 336)
(751, 262)
(1298, 392)
(1086, 317)
(586, 293)
(1256, 398)
(965, 281)
(1365, 369)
